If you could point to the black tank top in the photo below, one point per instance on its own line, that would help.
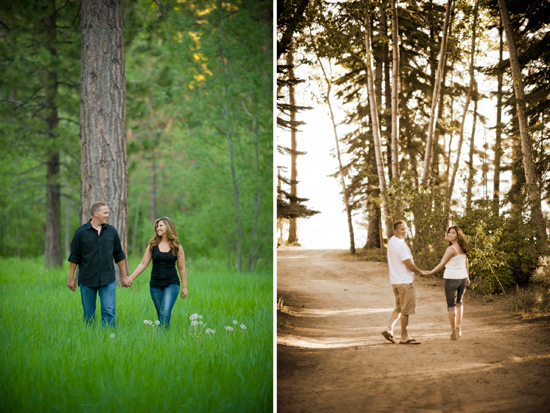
(164, 269)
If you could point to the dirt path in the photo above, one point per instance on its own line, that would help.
(331, 355)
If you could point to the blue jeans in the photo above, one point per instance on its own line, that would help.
(164, 301)
(107, 295)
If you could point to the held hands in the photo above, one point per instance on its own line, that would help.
(184, 292)
(126, 281)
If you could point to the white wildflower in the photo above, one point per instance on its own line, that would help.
(235, 322)
(200, 317)
(145, 322)
(194, 316)
(243, 326)
(112, 335)
(201, 323)
(157, 322)
(194, 323)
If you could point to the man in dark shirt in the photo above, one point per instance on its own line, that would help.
(94, 246)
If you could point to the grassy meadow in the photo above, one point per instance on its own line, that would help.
(52, 362)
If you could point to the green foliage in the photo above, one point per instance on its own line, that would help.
(51, 361)
(486, 261)
(516, 245)
(423, 209)
(178, 154)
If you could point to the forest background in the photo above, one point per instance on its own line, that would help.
(198, 129)
(410, 139)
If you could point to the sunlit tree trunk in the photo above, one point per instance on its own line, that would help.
(292, 229)
(340, 168)
(376, 127)
(526, 144)
(374, 236)
(471, 169)
(437, 86)
(53, 247)
(104, 164)
(465, 111)
(498, 129)
(395, 92)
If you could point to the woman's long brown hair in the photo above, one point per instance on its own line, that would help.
(171, 236)
(460, 238)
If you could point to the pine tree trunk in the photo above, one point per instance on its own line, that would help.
(498, 129)
(104, 164)
(382, 60)
(153, 190)
(437, 86)
(374, 214)
(471, 169)
(53, 248)
(526, 143)
(340, 168)
(292, 229)
(376, 128)
(395, 92)
(465, 112)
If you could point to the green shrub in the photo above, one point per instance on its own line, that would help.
(424, 209)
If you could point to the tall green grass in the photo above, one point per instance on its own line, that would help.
(51, 362)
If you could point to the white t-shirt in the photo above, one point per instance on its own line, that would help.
(398, 252)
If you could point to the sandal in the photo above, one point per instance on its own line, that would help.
(388, 336)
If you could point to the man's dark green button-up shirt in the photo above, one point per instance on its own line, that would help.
(94, 254)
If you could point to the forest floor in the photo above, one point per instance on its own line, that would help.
(331, 355)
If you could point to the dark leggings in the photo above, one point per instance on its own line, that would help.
(454, 292)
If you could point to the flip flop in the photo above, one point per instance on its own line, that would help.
(411, 341)
(388, 336)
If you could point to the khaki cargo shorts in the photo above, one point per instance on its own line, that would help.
(405, 298)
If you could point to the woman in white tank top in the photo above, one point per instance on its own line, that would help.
(457, 277)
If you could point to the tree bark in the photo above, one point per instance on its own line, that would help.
(374, 237)
(153, 190)
(104, 164)
(395, 92)
(526, 144)
(465, 112)
(437, 86)
(292, 228)
(229, 131)
(376, 127)
(471, 169)
(340, 168)
(53, 251)
(498, 129)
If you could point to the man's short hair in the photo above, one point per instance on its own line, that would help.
(397, 223)
(96, 207)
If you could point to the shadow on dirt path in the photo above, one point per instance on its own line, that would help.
(331, 355)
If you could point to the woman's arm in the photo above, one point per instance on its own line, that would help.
(446, 258)
(142, 265)
(183, 273)
(467, 272)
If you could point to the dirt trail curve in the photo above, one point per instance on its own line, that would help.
(331, 355)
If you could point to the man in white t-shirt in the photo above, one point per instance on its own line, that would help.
(402, 269)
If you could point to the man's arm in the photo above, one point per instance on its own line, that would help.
(412, 267)
(126, 282)
(72, 283)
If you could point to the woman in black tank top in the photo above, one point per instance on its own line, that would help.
(166, 253)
